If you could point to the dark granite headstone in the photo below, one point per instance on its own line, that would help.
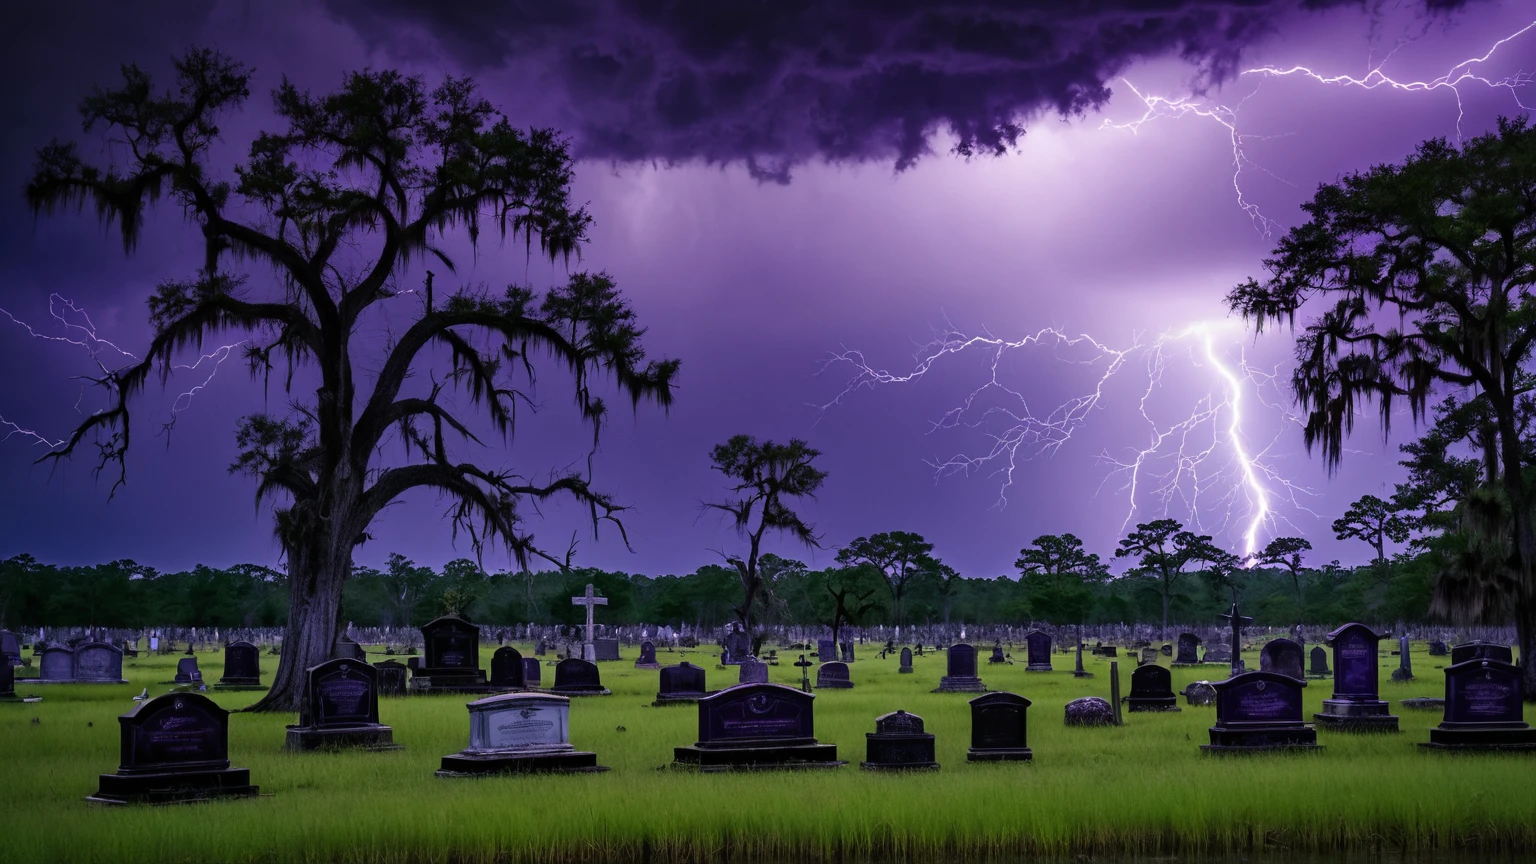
(997, 654)
(756, 726)
(507, 669)
(8, 683)
(738, 646)
(1318, 667)
(187, 673)
(1438, 649)
(1200, 693)
(680, 684)
(1089, 711)
(99, 663)
(341, 709)
(519, 733)
(960, 669)
(1189, 650)
(1152, 689)
(1283, 656)
(10, 648)
(242, 666)
(540, 649)
(575, 677)
(752, 671)
(1356, 705)
(833, 676)
(898, 743)
(1038, 644)
(348, 649)
(1479, 650)
(1259, 711)
(998, 729)
(1217, 654)
(533, 674)
(1484, 708)
(647, 659)
(607, 649)
(826, 650)
(57, 664)
(174, 748)
(906, 661)
(393, 676)
(450, 657)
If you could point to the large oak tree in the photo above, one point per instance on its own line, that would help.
(300, 242)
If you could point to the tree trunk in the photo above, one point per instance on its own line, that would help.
(314, 616)
(1163, 633)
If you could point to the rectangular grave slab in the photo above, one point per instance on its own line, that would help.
(756, 726)
(175, 748)
(1038, 644)
(341, 709)
(519, 733)
(899, 743)
(1259, 711)
(242, 667)
(99, 663)
(682, 684)
(998, 729)
(960, 671)
(752, 671)
(607, 649)
(1484, 709)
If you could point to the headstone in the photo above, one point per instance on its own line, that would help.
(898, 743)
(738, 646)
(805, 673)
(1283, 656)
(533, 675)
(756, 726)
(847, 652)
(393, 676)
(1318, 668)
(577, 678)
(507, 669)
(826, 650)
(340, 709)
(187, 673)
(1484, 708)
(1217, 654)
(906, 661)
(998, 729)
(591, 601)
(99, 663)
(348, 649)
(833, 676)
(1109, 651)
(8, 684)
(1438, 649)
(1090, 711)
(960, 671)
(174, 748)
(752, 671)
(56, 664)
(1038, 644)
(242, 666)
(1356, 705)
(1404, 670)
(519, 733)
(680, 684)
(1200, 693)
(997, 654)
(540, 649)
(1189, 648)
(1148, 656)
(1258, 711)
(607, 650)
(1479, 650)
(1165, 649)
(1152, 689)
(647, 659)
(450, 660)
(10, 648)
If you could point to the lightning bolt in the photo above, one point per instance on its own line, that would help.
(1200, 465)
(1461, 74)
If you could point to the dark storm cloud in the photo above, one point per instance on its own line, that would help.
(773, 84)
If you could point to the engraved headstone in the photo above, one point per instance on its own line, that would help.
(1189, 648)
(899, 742)
(680, 684)
(340, 709)
(174, 748)
(1038, 643)
(756, 726)
(752, 671)
(187, 673)
(833, 676)
(1479, 650)
(242, 666)
(1152, 689)
(393, 676)
(99, 663)
(647, 659)
(519, 733)
(1484, 708)
(578, 678)
(1259, 711)
(998, 729)
(450, 659)
(1283, 656)
(1356, 705)
(960, 671)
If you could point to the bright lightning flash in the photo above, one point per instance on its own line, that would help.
(1201, 466)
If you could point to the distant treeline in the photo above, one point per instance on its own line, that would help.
(125, 594)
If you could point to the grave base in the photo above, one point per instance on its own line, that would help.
(835, 685)
(375, 738)
(1038, 667)
(905, 670)
(1184, 665)
(427, 681)
(899, 766)
(677, 699)
(575, 692)
(1081, 674)
(1423, 703)
(1481, 736)
(236, 688)
(482, 764)
(1357, 722)
(174, 788)
(72, 680)
(1000, 754)
(957, 684)
(764, 758)
(1297, 736)
(1152, 703)
(19, 700)
(647, 665)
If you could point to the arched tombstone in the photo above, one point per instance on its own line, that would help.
(1484, 708)
(999, 729)
(576, 677)
(833, 676)
(1318, 665)
(680, 684)
(450, 659)
(56, 665)
(1283, 656)
(507, 672)
(906, 661)
(1259, 711)
(1152, 689)
(1189, 650)
(242, 667)
(341, 709)
(756, 726)
(1356, 705)
(647, 659)
(1038, 647)
(899, 743)
(960, 671)
(99, 663)
(174, 748)
(1480, 650)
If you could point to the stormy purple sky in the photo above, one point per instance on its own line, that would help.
(772, 188)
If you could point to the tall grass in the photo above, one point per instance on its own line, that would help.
(1141, 789)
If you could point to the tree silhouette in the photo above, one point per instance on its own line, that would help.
(898, 556)
(1060, 577)
(1165, 549)
(1286, 552)
(325, 213)
(1424, 273)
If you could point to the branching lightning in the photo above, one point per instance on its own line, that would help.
(1202, 466)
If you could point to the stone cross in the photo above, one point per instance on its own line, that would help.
(591, 601)
(1238, 620)
(805, 673)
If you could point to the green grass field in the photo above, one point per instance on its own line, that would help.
(1141, 789)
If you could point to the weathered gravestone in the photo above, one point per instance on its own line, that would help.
(833, 676)
(242, 667)
(450, 657)
(340, 709)
(1165, 649)
(1484, 709)
(1200, 694)
(507, 671)
(847, 652)
(519, 733)
(1148, 657)
(1479, 650)
(1283, 656)
(997, 654)
(56, 665)
(998, 729)
(752, 671)
(826, 650)
(10, 649)
(1258, 711)
(348, 649)
(1404, 670)
(607, 649)
(1356, 705)
(533, 674)
(680, 684)
(1217, 654)
(393, 677)
(1189, 650)
(906, 661)
(187, 673)
(174, 748)
(647, 659)
(1318, 665)
(1152, 689)
(737, 647)
(898, 743)
(1438, 649)
(575, 677)
(756, 726)
(540, 648)
(1038, 644)
(99, 663)
(1089, 711)
(960, 669)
